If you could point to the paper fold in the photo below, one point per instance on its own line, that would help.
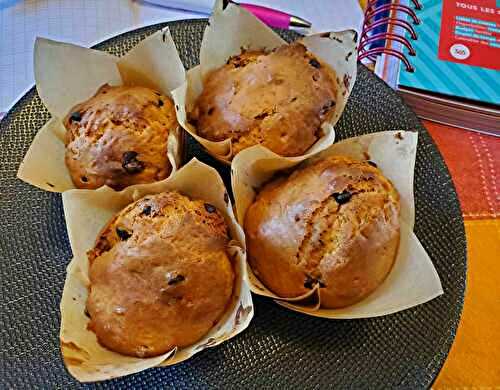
(413, 279)
(87, 212)
(337, 49)
(67, 74)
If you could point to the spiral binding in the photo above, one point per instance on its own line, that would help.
(375, 19)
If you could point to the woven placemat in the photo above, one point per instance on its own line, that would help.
(280, 349)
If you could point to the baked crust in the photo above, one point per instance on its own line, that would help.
(277, 99)
(334, 223)
(160, 275)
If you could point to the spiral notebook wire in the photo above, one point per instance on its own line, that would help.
(388, 30)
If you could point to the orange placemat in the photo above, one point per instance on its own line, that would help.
(474, 163)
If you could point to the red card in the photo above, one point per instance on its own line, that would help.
(470, 33)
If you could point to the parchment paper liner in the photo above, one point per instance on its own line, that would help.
(413, 279)
(234, 28)
(86, 212)
(67, 74)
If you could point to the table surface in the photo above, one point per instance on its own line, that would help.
(474, 162)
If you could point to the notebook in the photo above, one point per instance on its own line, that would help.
(444, 59)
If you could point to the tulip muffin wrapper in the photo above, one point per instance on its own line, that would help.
(87, 212)
(337, 49)
(413, 279)
(67, 74)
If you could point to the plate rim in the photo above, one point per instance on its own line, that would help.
(444, 350)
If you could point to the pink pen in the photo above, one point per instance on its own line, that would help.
(269, 16)
(274, 18)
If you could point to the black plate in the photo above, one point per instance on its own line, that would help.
(280, 349)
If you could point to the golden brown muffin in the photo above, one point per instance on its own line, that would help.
(119, 138)
(167, 278)
(334, 223)
(279, 100)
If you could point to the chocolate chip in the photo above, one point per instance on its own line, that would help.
(75, 117)
(86, 312)
(293, 99)
(226, 198)
(175, 279)
(210, 208)
(372, 163)
(131, 164)
(160, 103)
(123, 234)
(398, 135)
(50, 184)
(236, 61)
(342, 197)
(262, 115)
(210, 111)
(84, 179)
(146, 210)
(314, 63)
(327, 107)
(309, 282)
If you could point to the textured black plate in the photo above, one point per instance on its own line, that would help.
(280, 349)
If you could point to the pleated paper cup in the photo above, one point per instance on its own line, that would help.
(233, 29)
(87, 212)
(413, 279)
(67, 74)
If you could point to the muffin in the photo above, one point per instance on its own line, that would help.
(160, 275)
(119, 137)
(333, 224)
(277, 99)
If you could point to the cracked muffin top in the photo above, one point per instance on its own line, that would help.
(160, 275)
(334, 224)
(277, 99)
(119, 138)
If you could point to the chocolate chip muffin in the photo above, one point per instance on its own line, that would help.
(119, 137)
(160, 275)
(334, 224)
(277, 99)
